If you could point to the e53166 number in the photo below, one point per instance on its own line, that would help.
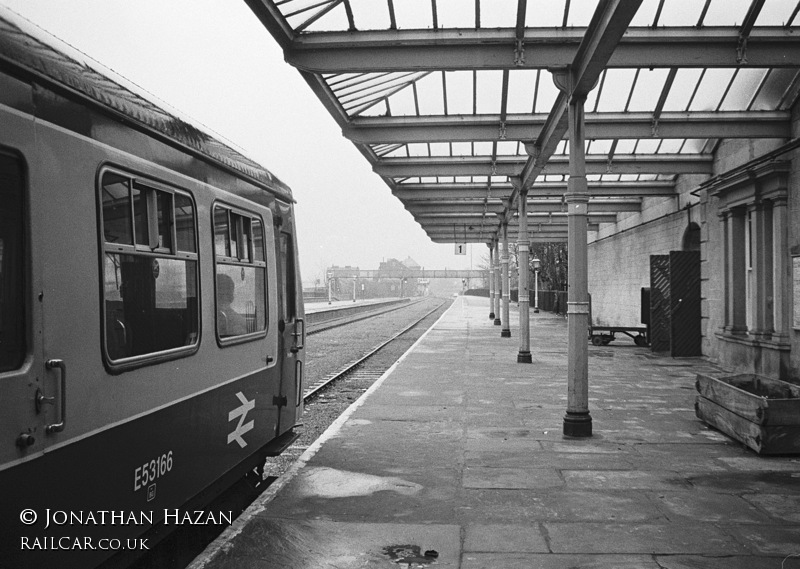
(150, 471)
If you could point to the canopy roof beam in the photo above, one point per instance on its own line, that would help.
(468, 128)
(468, 49)
(665, 164)
(548, 219)
(467, 191)
(496, 206)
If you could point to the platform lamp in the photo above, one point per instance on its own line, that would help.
(536, 263)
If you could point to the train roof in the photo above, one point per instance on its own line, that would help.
(26, 46)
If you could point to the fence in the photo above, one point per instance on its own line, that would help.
(552, 301)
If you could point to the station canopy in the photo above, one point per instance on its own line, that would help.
(454, 103)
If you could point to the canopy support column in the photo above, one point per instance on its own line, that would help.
(497, 284)
(491, 280)
(506, 331)
(524, 355)
(577, 421)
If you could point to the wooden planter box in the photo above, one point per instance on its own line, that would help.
(761, 412)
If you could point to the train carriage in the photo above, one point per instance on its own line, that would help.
(151, 328)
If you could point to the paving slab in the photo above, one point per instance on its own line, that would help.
(727, 562)
(459, 450)
(527, 561)
(654, 538)
(526, 538)
(559, 505)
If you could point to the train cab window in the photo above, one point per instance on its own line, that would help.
(149, 267)
(241, 272)
(12, 240)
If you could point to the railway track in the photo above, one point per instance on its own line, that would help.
(345, 320)
(325, 382)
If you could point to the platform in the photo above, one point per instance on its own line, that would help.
(458, 450)
(312, 307)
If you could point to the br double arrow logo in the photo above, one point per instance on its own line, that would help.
(241, 428)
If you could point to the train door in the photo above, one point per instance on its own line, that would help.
(293, 332)
(23, 413)
(64, 214)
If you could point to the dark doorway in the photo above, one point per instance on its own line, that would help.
(660, 321)
(675, 303)
(684, 272)
(691, 237)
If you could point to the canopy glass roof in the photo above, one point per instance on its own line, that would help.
(453, 101)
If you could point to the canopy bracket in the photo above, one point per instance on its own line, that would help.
(519, 53)
(741, 50)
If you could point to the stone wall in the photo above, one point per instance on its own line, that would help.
(619, 255)
(794, 243)
(619, 267)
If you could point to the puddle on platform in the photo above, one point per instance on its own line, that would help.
(331, 483)
(410, 555)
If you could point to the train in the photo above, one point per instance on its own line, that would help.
(151, 313)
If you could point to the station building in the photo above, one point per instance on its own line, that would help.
(742, 222)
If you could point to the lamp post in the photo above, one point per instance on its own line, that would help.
(536, 263)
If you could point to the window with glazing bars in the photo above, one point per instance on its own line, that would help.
(241, 272)
(150, 268)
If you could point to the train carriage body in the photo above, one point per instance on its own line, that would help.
(151, 327)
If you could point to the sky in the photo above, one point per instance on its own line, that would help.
(213, 61)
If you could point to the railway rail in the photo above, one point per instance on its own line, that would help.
(322, 384)
(345, 320)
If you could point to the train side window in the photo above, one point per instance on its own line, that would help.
(117, 210)
(12, 265)
(149, 268)
(241, 273)
(184, 224)
(258, 240)
(222, 234)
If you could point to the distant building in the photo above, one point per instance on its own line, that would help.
(411, 263)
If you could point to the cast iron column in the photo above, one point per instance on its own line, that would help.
(497, 284)
(524, 355)
(491, 281)
(506, 331)
(577, 421)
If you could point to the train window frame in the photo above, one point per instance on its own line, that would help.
(158, 246)
(242, 232)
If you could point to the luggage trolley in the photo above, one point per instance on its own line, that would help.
(604, 335)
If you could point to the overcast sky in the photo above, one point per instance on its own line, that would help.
(213, 61)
